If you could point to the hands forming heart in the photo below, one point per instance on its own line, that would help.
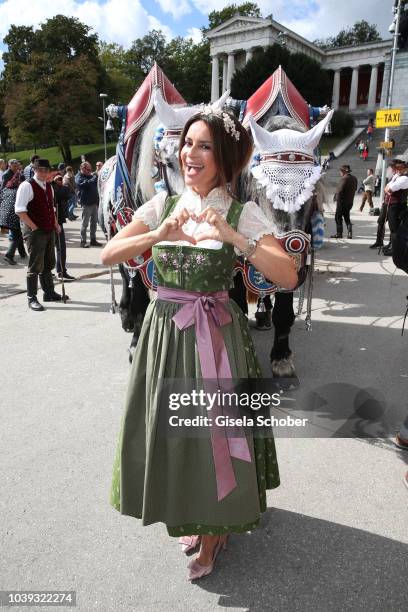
(217, 227)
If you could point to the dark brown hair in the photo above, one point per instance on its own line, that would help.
(230, 155)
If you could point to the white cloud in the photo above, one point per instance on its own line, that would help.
(155, 24)
(120, 21)
(316, 18)
(195, 34)
(328, 17)
(175, 9)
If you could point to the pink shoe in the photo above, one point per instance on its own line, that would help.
(189, 543)
(199, 571)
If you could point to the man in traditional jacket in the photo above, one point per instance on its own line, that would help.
(344, 197)
(394, 204)
(35, 207)
(395, 196)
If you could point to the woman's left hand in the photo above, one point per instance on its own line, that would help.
(219, 228)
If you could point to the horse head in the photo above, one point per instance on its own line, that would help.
(283, 176)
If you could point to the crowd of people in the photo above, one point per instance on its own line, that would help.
(393, 208)
(35, 204)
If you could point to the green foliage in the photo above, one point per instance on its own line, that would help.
(361, 32)
(67, 38)
(20, 41)
(52, 77)
(306, 74)
(143, 53)
(113, 58)
(187, 65)
(247, 9)
(55, 103)
(342, 123)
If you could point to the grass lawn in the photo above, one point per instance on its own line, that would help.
(93, 152)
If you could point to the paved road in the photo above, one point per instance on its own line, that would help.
(335, 535)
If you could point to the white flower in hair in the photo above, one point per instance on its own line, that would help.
(229, 124)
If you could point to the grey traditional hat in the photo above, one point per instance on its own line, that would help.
(42, 163)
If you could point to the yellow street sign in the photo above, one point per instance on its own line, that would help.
(386, 144)
(388, 117)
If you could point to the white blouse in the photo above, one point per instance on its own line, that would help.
(252, 222)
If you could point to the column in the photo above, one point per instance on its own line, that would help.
(372, 91)
(231, 68)
(336, 90)
(248, 55)
(354, 89)
(224, 74)
(215, 85)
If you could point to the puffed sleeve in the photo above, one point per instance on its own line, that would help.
(151, 211)
(253, 222)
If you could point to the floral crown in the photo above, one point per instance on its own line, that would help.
(229, 124)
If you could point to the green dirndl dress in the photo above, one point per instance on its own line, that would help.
(171, 479)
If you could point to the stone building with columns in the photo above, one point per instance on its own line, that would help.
(359, 72)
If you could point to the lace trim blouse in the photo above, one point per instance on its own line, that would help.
(252, 223)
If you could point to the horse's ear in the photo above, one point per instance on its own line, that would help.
(221, 101)
(312, 137)
(262, 138)
(172, 118)
(165, 112)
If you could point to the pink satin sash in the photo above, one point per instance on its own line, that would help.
(207, 312)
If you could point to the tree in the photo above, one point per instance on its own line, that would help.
(307, 75)
(341, 123)
(113, 58)
(188, 66)
(56, 105)
(20, 41)
(143, 53)
(361, 32)
(3, 126)
(52, 77)
(247, 9)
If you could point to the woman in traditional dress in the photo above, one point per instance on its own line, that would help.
(202, 488)
(8, 217)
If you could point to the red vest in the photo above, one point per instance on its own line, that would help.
(398, 197)
(41, 208)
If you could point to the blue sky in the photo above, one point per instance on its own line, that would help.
(122, 21)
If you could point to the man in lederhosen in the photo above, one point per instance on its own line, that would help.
(34, 206)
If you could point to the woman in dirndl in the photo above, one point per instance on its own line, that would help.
(207, 487)
(8, 218)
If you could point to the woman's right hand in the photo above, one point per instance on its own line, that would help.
(172, 229)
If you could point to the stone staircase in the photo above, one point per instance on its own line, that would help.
(357, 165)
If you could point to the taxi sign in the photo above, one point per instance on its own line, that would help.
(388, 117)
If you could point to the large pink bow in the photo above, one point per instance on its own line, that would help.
(207, 312)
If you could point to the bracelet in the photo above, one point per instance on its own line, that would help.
(296, 261)
(250, 250)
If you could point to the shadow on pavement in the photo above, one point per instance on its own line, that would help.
(299, 563)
